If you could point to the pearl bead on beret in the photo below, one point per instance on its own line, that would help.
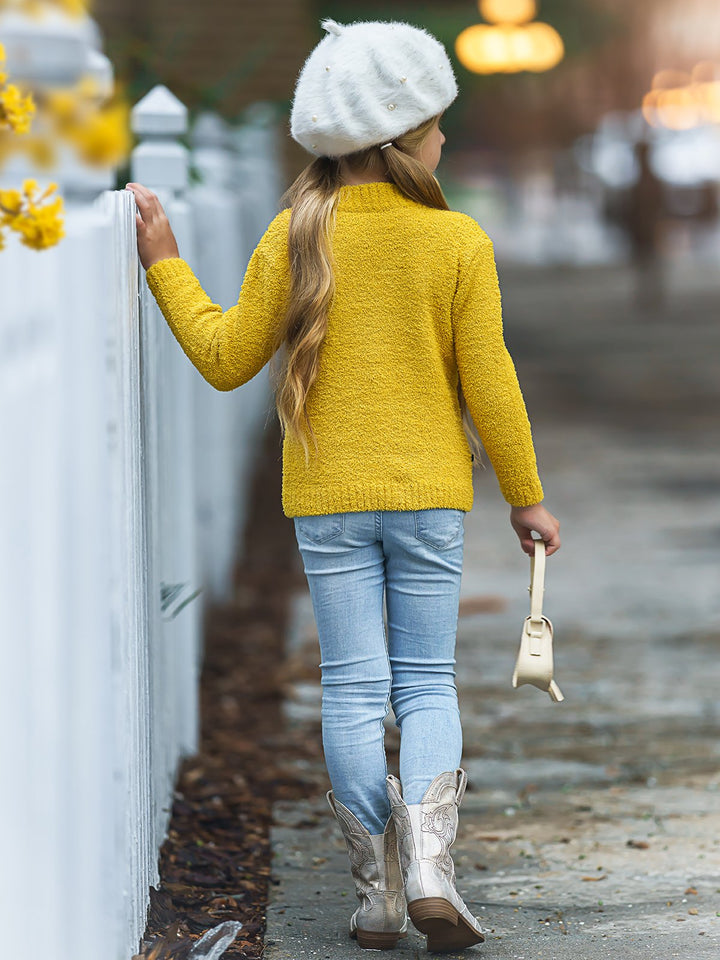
(367, 83)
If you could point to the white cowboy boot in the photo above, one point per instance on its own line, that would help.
(381, 919)
(425, 833)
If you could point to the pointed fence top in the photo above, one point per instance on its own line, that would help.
(159, 113)
(210, 130)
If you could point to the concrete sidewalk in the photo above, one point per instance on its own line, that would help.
(591, 827)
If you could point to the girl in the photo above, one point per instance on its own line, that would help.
(384, 306)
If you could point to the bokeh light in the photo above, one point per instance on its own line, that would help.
(509, 48)
(507, 11)
(679, 100)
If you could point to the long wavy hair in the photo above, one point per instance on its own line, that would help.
(313, 197)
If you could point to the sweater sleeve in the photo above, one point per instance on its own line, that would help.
(488, 376)
(231, 347)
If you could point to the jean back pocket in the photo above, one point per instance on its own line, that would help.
(439, 527)
(320, 527)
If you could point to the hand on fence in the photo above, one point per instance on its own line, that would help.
(536, 517)
(155, 238)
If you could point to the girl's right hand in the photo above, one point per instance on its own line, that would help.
(155, 239)
(526, 519)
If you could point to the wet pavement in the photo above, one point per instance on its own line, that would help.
(590, 827)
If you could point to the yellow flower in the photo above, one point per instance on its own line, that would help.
(16, 110)
(104, 139)
(40, 227)
(10, 203)
(63, 105)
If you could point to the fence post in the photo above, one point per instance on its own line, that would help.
(160, 162)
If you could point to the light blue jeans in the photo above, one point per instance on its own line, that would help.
(411, 559)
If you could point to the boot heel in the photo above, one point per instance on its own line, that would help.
(430, 910)
(443, 926)
(373, 940)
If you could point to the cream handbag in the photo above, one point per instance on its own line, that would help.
(535, 658)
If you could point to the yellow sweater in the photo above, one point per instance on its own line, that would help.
(417, 302)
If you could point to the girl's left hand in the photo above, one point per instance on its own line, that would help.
(155, 238)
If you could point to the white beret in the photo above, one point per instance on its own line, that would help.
(366, 83)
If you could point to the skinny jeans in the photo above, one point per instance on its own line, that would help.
(410, 561)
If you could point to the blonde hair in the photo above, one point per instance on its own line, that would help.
(313, 197)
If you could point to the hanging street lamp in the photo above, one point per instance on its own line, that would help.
(511, 41)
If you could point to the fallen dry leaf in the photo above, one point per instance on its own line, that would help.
(603, 876)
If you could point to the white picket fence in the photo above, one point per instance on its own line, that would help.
(123, 489)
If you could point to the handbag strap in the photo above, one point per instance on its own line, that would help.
(537, 587)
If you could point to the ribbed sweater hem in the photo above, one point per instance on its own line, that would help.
(352, 497)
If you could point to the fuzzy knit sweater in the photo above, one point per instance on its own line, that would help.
(416, 304)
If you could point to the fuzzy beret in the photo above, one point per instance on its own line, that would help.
(366, 83)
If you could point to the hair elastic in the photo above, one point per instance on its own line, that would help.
(390, 144)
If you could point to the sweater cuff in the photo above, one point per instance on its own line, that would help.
(523, 495)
